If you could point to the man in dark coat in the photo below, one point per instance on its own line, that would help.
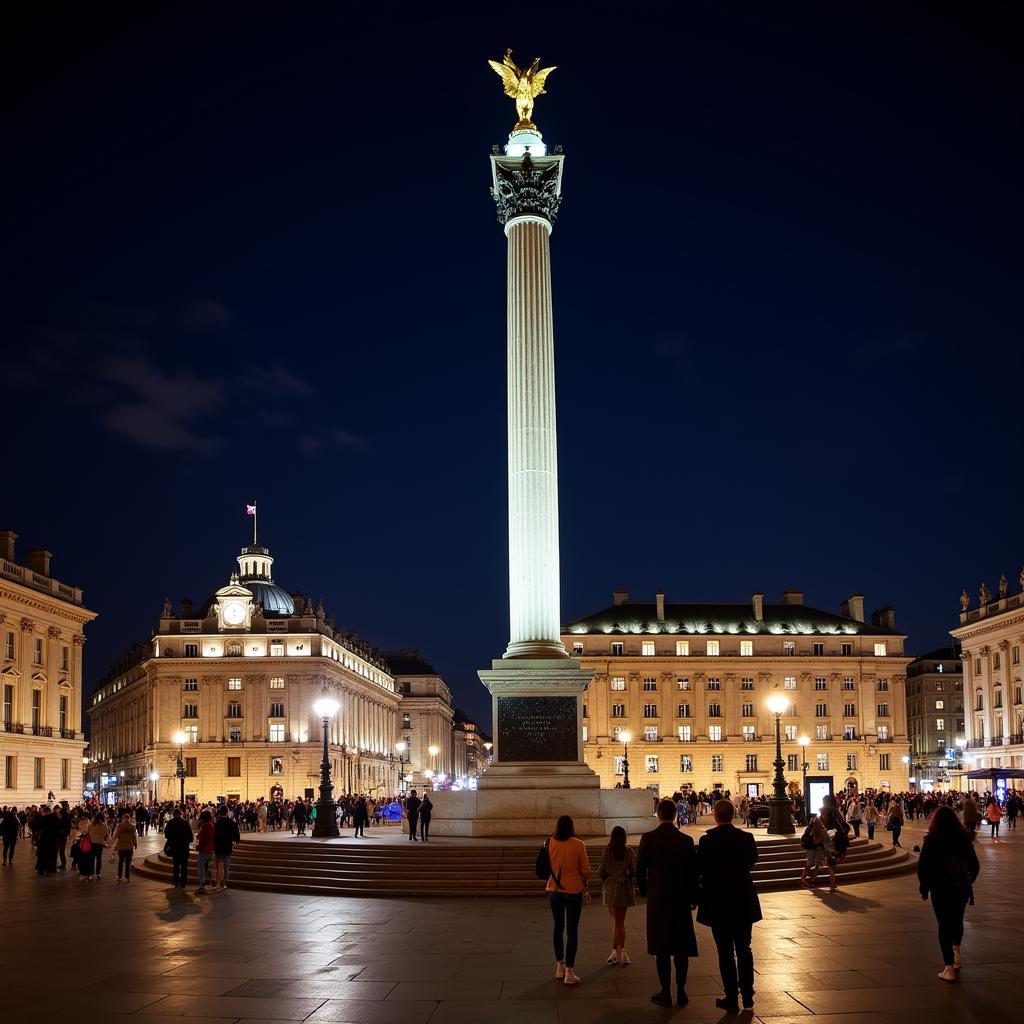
(728, 904)
(178, 836)
(666, 873)
(412, 810)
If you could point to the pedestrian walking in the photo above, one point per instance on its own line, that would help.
(566, 886)
(126, 841)
(99, 836)
(727, 903)
(894, 822)
(972, 815)
(204, 849)
(618, 874)
(10, 826)
(225, 836)
(178, 838)
(426, 812)
(946, 871)
(854, 815)
(994, 816)
(870, 817)
(666, 873)
(815, 842)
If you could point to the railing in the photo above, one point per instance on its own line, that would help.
(997, 741)
(68, 734)
(1017, 737)
(42, 730)
(38, 582)
(975, 744)
(14, 727)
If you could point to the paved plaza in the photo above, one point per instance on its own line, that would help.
(146, 954)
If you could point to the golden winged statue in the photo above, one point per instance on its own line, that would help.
(523, 85)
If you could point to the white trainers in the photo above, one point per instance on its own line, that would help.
(613, 958)
(948, 973)
(560, 970)
(571, 977)
(625, 961)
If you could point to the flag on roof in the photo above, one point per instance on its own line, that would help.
(250, 510)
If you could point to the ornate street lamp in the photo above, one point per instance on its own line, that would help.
(489, 747)
(120, 775)
(401, 747)
(805, 742)
(625, 737)
(780, 808)
(181, 738)
(326, 824)
(154, 778)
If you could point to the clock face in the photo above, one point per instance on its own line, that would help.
(234, 613)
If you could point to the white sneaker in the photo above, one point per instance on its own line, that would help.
(625, 961)
(948, 973)
(571, 977)
(613, 958)
(560, 970)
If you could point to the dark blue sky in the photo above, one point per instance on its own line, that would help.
(251, 253)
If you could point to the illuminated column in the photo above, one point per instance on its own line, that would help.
(526, 189)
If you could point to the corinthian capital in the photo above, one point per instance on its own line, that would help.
(526, 190)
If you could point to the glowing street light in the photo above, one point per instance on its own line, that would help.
(154, 778)
(326, 824)
(805, 742)
(780, 809)
(625, 737)
(181, 738)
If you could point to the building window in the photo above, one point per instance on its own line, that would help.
(996, 660)
(234, 683)
(682, 648)
(818, 649)
(751, 762)
(714, 683)
(586, 734)
(277, 732)
(851, 762)
(190, 711)
(848, 683)
(714, 711)
(277, 709)
(849, 732)
(880, 649)
(685, 733)
(586, 713)
(37, 651)
(820, 683)
(713, 648)
(618, 683)
(277, 648)
(685, 763)
(235, 734)
(277, 682)
(883, 762)
(650, 684)
(682, 684)
(234, 768)
(789, 647)
(651, 733)
(38, 772)
(650, 711)
(747, 711)
(618, 711)
(651, 763)
(406, 720)
(822, 760)
(821, 732)
(883, 685)
(1015, 655)
(820, 710)
(191, 685)
(715, 733)
(789, 683)
(37, 708)
(791, 711)
(65, 773)
(64, 666)
(9, 646)
(683, 711)
(789, 732)
(849, 710)
(997, 699)
(277, 766)
(617, 648)
(62, 715)
(647, 648)
(883, 732)
(846, 649)
(746, 648)
(234, 709)
(792, 763)
(748, 734)
(717, 763)
(616, 732)
(882, 710)
(233, 649)
(577, 647)
(940, 705)
(746, 683)
(10, 772)
(191, 650)
(620, 764)
(940, 724)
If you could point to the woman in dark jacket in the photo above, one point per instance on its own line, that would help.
(426, 810)
(946, 871)
(360, 817)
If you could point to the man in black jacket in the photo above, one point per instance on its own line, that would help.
(178, 836)
(666, 874)
(225, 836)
(728, 903)
(412, 809)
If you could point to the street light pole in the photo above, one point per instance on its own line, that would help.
(181, 738)
(780, 809)
(625, 737)
(804, 742)
(326, 825)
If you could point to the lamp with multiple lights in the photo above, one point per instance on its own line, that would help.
(780, 807)
(326, 824)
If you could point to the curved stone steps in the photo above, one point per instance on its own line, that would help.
(341, 870)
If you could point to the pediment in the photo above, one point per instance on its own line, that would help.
(38, 677)
(233, 590)
(10, 672)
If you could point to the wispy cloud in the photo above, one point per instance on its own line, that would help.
(206, 315)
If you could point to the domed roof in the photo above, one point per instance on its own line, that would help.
(274, 600)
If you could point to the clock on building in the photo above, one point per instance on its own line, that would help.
(234, 606)
(233, 613)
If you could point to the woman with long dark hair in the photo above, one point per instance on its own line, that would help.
(617, 873)
(567, 882)
(946, 871)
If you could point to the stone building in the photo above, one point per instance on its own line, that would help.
(991, 638)
(42, 623)
(238, 678)
(935, 717)
(689, 683)
(472, 748)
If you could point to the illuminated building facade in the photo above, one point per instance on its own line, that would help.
(935, 717)
(689, 682)
(42, 623)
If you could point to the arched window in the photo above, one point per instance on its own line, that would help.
(234, 649)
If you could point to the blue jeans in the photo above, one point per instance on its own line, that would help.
(566, 909)
(203, 860)
(871, 829)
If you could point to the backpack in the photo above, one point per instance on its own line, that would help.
(807, 839)
(85, 846)
(542, 869)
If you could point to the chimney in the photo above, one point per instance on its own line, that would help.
(853, 607)
(792, 597)
(620, 596)
(884, 618)
(659, 599)
(39, 561)
(186, 608)
(758, 602)
(7, 539)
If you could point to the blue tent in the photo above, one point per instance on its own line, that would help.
(392, 811)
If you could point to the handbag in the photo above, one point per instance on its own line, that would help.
(85, 846)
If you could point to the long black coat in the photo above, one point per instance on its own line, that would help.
(726, 896)
(666, 873)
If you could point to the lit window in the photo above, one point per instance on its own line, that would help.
(717, 763)
(883, 732)
(651, 733)
(277, 766)
(751, 762)
(685, 733)
(235, 734)
(620, 764)
(715, 733)
(820, 683)
(746, 648)
(577, 647)
(682, 648)
(789, 731)
(940, 723)
(714, 683)
(821, 732)
(685, 763)
(618, 682)
(683, 684)
(277, 648)
(712, 648)
(616, 731)
(617, 648)
(651, 763)
(277, 682)
(9, 646)
(851, 762)
(789, 647)
(647, 648)
(586, 734)
(747, 683)
(880, 649)
(940, 705)
(748, 734)
(277, 732)
(234, 683)
(822, 760)
(789, 683)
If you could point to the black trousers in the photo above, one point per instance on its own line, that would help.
(949, 906)
(566, 908)
(735, 961)
(179, 867)
(413, 818)
(424, 828)
(663, 961)
(10, 842)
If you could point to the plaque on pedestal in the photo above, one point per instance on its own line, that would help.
(537, 728)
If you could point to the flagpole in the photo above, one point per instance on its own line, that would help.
(254, 524)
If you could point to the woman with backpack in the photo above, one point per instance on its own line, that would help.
(568, 869)
(617, 873)
(946, 871)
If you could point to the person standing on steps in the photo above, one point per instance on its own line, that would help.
(566, 886)
(178, 838)
(666, 873)
(225, 836)
(360, 818)
(870, 817)
(946, 871)
(727, 903)
(204, 849)
(412, 810)
(618, 873)
(426, 810)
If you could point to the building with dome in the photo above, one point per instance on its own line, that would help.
(238, 678)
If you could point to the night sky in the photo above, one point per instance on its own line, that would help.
(251, 254)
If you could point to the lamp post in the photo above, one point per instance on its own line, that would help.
(181, 738)
(780, 808)
(805, 742)
(401, 746)
(625, 737)
(326, 812)
(433, 751)
(154, 778)
(120, 775)
(489, 747)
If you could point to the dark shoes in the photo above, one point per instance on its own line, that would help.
(729, 1005)
(748, 1001)
(662, 998)
(681, 997)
